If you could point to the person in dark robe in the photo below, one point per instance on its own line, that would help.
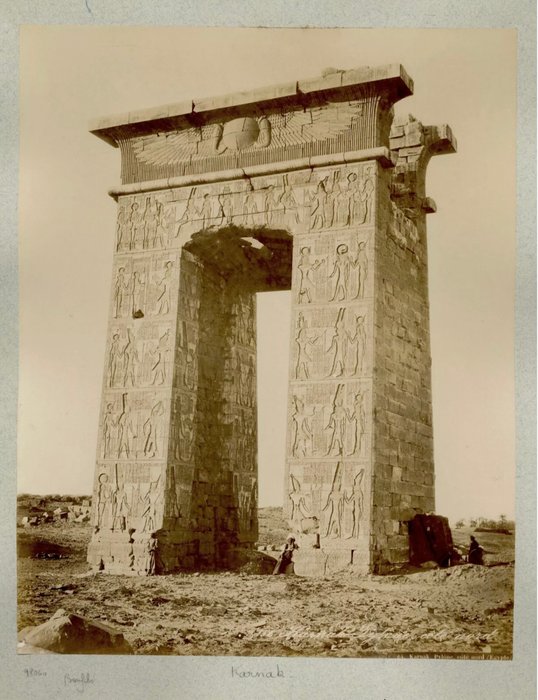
(152, 555)
(284, 563)
(476, 553)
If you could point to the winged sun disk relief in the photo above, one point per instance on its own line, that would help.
(246, 133)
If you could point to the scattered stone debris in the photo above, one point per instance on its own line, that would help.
(71, 512)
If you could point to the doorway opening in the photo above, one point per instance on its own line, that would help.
(273, 346)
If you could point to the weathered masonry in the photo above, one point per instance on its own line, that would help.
(311, 187)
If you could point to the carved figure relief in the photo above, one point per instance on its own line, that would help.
(183, 429)
(354, 503)
(273, 206)
(304, 340)
(142, 225)
(126, 431)
(342, 266)
(150, 506)
(151, 431)
(122, 240)
(164, 303)
(190, 214)
(173, 507)
(334, 506)
(161, 361)
(132, 426)
(109, 430)
(250, 209)
(341, 199)
(246, 382)
(136, 225)
(359, 418)
(302, 436)
(356, 347)
(138, 294)
(131, 361)
(121, 289)
(190, 368)
(299, 507)
(337, 425)
(321, 206)
(115, 354)
(120, 505)
(104, 496)
(307, 268)
(338, 346)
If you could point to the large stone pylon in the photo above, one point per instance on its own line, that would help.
(310, 187)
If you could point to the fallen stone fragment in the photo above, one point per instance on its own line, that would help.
(67, 633)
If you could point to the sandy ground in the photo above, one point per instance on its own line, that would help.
(465, 610)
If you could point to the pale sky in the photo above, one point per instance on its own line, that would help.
(70, 75)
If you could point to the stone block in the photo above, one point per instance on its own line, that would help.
(67, 633)
(311, 562)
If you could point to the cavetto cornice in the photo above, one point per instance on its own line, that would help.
(342, 111)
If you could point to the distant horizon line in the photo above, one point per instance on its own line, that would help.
(450, 517)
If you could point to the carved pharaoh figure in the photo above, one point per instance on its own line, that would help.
(357, 346)
(109, 429)
(104, 495)
(338, 346)
(164, 299)
(299, 508)
(130, 361)
(355, 503)
(341, 271)
(334, 506)
(121, 287)
(138, 290)
(361, 263)
(114, 361)
(303, 341)
(306, 268)
(126, 431)
(359, 418)
(302, 435)
(190, 214)
(337, 424)
(137, 227)
(151, 431)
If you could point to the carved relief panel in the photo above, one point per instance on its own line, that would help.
(329, 420)
(328, 498)
(331, 343)
(145, 222)
(143, 285)
(133, 425)
(128, 496)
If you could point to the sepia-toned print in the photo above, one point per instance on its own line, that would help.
(318, 189)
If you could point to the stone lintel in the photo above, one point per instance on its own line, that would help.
(381, 154)
(392, 77)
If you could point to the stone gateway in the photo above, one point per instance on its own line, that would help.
(311, 187)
